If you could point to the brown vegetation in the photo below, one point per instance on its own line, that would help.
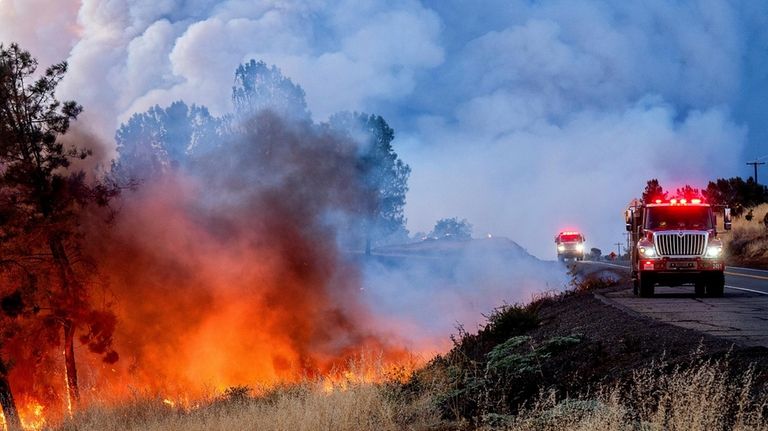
(747, 244)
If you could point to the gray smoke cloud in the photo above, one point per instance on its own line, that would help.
(524, 117)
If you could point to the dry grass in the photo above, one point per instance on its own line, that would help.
(700, 398)
(747, 244)
(367, 394)
(707, 395)
(306, 406)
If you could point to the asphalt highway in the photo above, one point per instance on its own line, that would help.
(741, 315)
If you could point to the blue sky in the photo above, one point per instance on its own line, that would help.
(524, 117)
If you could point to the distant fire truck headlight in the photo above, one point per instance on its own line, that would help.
(714, 251)
(560, 247)
(648, 251)
(579, 247)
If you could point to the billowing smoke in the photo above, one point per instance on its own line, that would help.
(427, 290)
(575, 104)
(228, 271)
(557, 113)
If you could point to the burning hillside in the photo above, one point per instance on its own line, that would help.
(201, 261)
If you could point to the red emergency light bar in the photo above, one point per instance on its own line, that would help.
(680, 201)
(569, 233)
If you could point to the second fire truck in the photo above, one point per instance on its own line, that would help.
(570, 245)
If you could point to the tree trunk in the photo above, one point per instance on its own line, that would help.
(69, 363)
(68, 282)
(12, 420)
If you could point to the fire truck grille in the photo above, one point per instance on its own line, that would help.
(680, 244)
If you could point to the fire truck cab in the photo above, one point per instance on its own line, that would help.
(675, 242)
(570, 245)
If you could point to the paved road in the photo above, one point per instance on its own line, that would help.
(740, 315)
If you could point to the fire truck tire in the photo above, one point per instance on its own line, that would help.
(635, 286)
(700, 287)
(645, 287)
(716, 285)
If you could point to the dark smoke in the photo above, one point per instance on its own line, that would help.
(228, 271)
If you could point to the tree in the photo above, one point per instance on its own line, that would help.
(653, 191)
(595, 253)
(160, 139)
(154, 142)
(381, 171)
(688, 192)
(42, 201)
(258, 87)
(736, 193)
(452, 228)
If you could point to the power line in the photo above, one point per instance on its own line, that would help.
(755, 164)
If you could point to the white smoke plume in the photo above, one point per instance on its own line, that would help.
(554, 113)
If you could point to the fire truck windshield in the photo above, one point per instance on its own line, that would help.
(570, 237)
(679, 217)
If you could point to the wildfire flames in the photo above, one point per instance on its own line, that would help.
(231, 277)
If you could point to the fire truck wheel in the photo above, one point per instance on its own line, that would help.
(645, 285)
(699, 287)
(716, 285)
(635, 285)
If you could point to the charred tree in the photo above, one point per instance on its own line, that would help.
(11, 415)
(47, 198)
(70, 290)
(12, 420)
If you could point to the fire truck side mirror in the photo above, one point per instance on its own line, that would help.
(727, 219)
(628, 216)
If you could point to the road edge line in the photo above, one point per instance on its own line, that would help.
(746, 269)
(746, 290)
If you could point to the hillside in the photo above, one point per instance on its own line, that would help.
(500, 246)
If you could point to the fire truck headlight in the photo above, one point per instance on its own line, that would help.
(714, 251)
(648, 251)
(560, 247)
(579, 247)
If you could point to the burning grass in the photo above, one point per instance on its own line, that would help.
(302, 406)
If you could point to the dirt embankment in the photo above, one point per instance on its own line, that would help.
(572, 346)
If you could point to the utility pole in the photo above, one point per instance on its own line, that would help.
(755, 164)
(629, 239)
(618, 244)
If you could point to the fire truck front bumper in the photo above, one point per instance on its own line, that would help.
(668, 265)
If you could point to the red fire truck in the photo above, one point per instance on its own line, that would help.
(570, 245)
(675, 242)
